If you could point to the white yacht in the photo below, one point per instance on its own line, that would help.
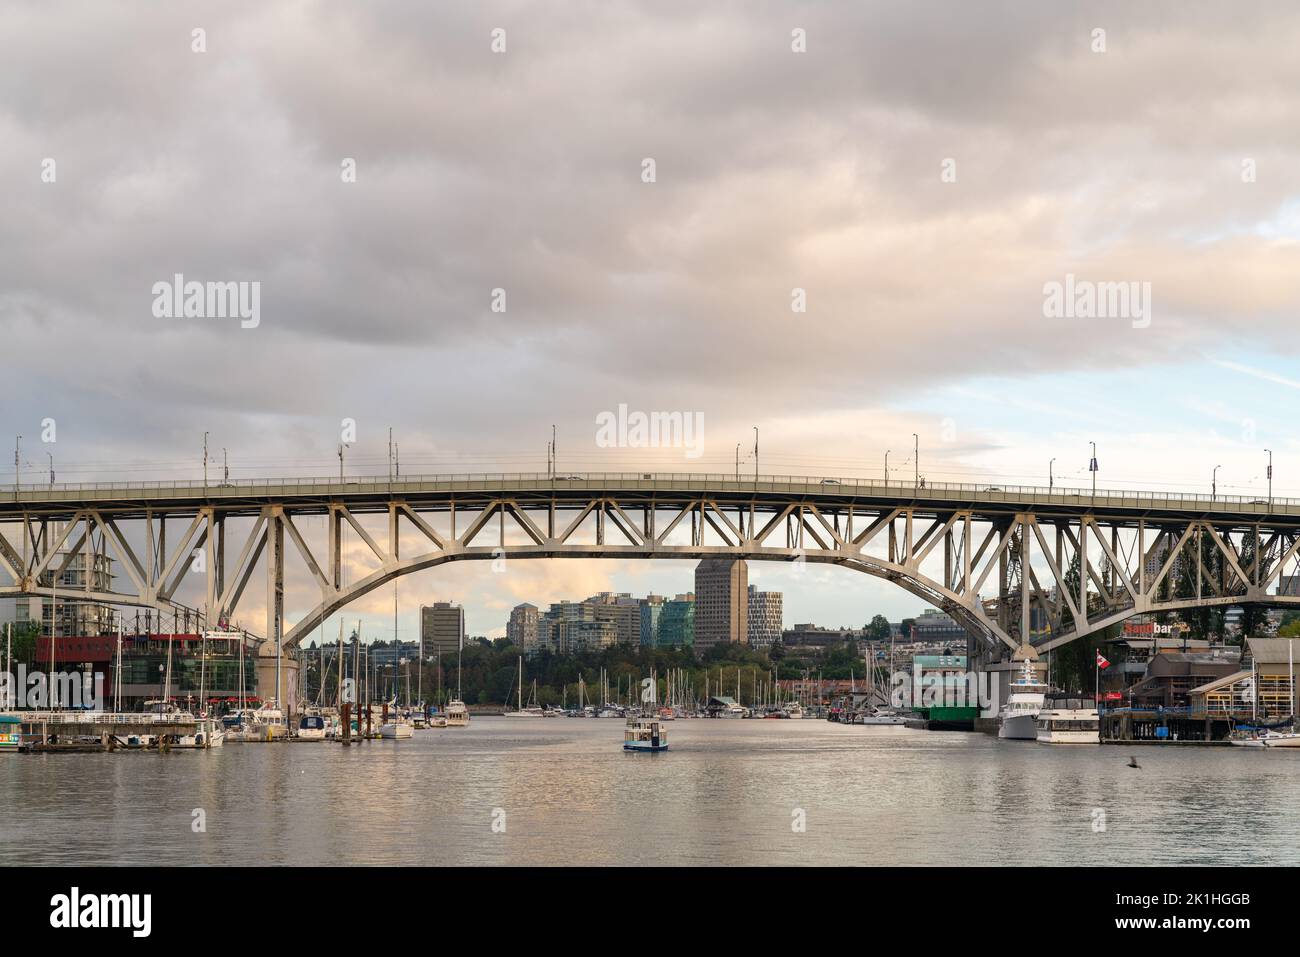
(880, 716)
(1019, 717)
(457, 714)
(311, 727)
(1069, 719)
(396, 727)
(792, 710)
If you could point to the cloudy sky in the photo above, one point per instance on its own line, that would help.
(921, 170)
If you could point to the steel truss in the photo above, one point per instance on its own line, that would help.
(1008, 573)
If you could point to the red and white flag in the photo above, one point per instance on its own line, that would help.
(1102, 662)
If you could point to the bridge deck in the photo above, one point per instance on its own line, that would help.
(363, 492)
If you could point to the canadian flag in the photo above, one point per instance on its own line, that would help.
(1102, 662)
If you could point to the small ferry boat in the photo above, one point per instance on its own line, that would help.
(1019, 717)
(457, 714)
(645, 734)
(11, 734)
(1069, 719)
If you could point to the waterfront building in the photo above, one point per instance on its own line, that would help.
(934, 625)
(521, 630)
(765, 618)
(721, 602)
(1171, 675)
(442, 628)
(808, 638)
(1263, 688)
(144, 666)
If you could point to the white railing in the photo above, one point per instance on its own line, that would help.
(982, 491)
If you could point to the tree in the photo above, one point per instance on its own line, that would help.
(878, 629)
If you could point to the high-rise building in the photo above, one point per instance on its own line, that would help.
(652, 607)
(620, 610)
(677, 623)
(521, 630)
(442, 628)
(721, 602)
(766, 618)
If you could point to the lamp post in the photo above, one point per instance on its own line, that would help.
(1051, 482)
(1214, 483)
(756, 456)
(737, 461)
(916, 461)
(1092, 467)
(225, 468)
(1270, 478)
(18, 441)
(887, 466)
(205, 463)
(51, 457)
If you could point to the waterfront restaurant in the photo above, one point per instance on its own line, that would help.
(1262, 691)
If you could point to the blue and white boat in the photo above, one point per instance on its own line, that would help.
(11, 734)
(645, 734)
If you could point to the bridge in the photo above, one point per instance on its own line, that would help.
(1012, 564)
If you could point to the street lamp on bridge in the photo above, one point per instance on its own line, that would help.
(887, 466)
(1214, 483)
(916, 461)
(1050, 480)
(1270, 477)
(1092, 467)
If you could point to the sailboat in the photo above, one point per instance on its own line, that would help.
(457, 713)
(397, 726)
(533, 710)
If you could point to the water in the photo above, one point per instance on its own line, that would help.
(727, 793)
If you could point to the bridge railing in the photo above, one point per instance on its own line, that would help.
(685, 481)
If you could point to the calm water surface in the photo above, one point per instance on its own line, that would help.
(726, 793)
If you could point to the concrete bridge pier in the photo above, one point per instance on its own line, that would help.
(286, 696)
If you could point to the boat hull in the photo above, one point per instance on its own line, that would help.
(643, 746)
(1069, 737)
(1281, 740)
(1021, 727)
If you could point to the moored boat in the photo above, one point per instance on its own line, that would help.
(1019, 717)
(1069, 719)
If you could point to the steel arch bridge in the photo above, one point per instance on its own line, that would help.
(1011, 564)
